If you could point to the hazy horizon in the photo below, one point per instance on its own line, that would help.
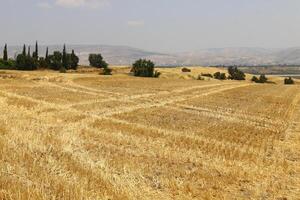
(160, 26)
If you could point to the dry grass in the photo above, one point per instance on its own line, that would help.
(85, 136)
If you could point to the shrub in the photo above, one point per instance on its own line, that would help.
(185, 70)
(235, 74)
(220, 76)
(96, 60)
(200, 78)
(207, 75)
(289, 81)
(143, 68)
(156, 74)
(107, 71)
(9, 64)
(262, 79)
(254, 79)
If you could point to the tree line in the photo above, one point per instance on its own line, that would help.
(58, 60)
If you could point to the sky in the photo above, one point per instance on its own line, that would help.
(155, 25)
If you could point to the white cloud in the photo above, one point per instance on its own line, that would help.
(82, 3)
(135, 23)
(44, 5)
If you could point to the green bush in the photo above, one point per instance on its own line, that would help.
(220, 76)
(254, 79)
(9, 64)
(207, 75)
(200, 78)
(143, 68)
(185, 69)
(262, 79)
(107, 71)
(96, 60)
(235, 74)
(156, 74)
(289, 81)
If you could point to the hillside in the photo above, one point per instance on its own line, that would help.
(123, 55)
(87, 136)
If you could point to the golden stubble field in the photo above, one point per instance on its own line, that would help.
(86, 136)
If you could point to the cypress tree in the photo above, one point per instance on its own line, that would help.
(47, 54)
(24, 50)
(64, 58)
(28, 54)
(36, 52)
(5, 57)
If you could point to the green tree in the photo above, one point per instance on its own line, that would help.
(55, 60)
(64, 58)
(74, 60)
(24, 50)
(96, 60)
(29, 53)
(235, 74)
(143, 68)
(35, 54)
(47, 61)
(5, 57)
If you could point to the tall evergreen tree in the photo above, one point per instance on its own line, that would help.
(28, 54)
(24, 50)
(64, 58)
(47, 54)
(5, 57)
(36, 52)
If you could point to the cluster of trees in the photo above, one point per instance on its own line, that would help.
(27, 61)
(233, 71)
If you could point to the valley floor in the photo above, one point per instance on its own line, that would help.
(86, 136)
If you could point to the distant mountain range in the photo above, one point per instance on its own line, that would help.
(123, 55)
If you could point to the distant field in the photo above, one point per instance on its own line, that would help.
(87, 136)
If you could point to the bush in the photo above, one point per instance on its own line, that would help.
(185, 70)
(9, 64)
(156, 74)
(254, 79)
(207, 75)
(289, 81)
(262, 79)
(96, 60)
(107, 71)
(220, 76)
(200, 78)
(143, 68)
(235, 74)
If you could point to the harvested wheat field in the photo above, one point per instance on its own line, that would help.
(87, 136)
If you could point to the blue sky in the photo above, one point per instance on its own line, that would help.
(157, 25)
